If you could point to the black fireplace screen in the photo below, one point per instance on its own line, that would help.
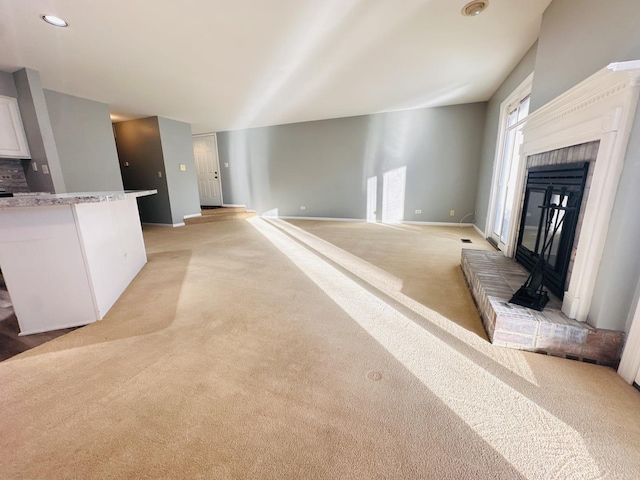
(562, 185)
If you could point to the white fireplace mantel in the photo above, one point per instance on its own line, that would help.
(602, 107)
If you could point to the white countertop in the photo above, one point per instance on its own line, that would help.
(48, 199)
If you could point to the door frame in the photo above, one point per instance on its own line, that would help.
(629, 368)
(215, 138)
(519, 94)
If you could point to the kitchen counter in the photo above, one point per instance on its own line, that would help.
(67, 258)
(46, 199)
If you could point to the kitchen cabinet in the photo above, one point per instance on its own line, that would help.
(13, 141)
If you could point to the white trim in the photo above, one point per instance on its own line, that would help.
(359, 220)
(523, 90)
(439, 224)
(172, 225)
(62, 327)
(233, 205)
(630, 361)
(480, 232)
(250, 211)
(321, 219)
(193, 215)
(602, 107)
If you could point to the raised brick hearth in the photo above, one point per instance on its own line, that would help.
(494, 278)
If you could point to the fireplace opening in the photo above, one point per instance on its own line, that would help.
(564, 186)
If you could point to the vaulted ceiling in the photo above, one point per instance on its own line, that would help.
(230, 64)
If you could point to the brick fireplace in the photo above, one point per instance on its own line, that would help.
(589, 123)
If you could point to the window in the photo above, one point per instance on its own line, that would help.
(513, 117)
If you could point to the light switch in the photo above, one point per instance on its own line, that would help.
(226, 165)
(126, 164)
(34, 166)
(45, 169)
(183, 167)
(159, 174)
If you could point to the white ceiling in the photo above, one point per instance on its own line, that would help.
(228, 64)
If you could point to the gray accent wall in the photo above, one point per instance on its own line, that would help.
(578, 38)
(150, 152)
(84, 139)
(324, 165)
(37, 126)
(177, 149)
(140, 154)
(490, 137)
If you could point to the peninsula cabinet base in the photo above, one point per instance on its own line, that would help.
(66, 265)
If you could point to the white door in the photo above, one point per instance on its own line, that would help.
(205, 152)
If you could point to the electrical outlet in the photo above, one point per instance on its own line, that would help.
(302, 207)
(418, 212)
(45, 169)
(452, 213)
(183, 167)
(226, 165)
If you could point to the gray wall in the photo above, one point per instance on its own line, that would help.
(177, 149)
(37, 126)
(7, 85)
(515, 78)
(578, 38)
(138, 144)
(324, 165)
(86, 147)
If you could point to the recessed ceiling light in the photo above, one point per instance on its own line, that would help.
(472, 9)
(53, 20)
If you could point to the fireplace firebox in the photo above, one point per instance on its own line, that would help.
(562, 185)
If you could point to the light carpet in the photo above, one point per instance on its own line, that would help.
(301, 350)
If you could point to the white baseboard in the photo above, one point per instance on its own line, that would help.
(62, 327)
(171, 225)
(480, 232)
(439, 224)
(193, 215)
(233, 205)
(321, 219)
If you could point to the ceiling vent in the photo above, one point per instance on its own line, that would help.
(472, 9)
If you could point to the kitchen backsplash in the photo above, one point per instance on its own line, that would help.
(12, 177)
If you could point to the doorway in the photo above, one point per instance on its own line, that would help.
(205, 152)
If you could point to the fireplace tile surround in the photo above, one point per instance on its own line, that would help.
(585, 152)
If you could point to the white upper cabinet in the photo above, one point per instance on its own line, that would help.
(13, 142)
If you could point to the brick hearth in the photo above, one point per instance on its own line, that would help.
(494, 278)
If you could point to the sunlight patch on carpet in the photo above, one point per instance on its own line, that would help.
(534, 441)
(510, 359)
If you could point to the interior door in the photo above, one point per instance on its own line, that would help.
(205, 151)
